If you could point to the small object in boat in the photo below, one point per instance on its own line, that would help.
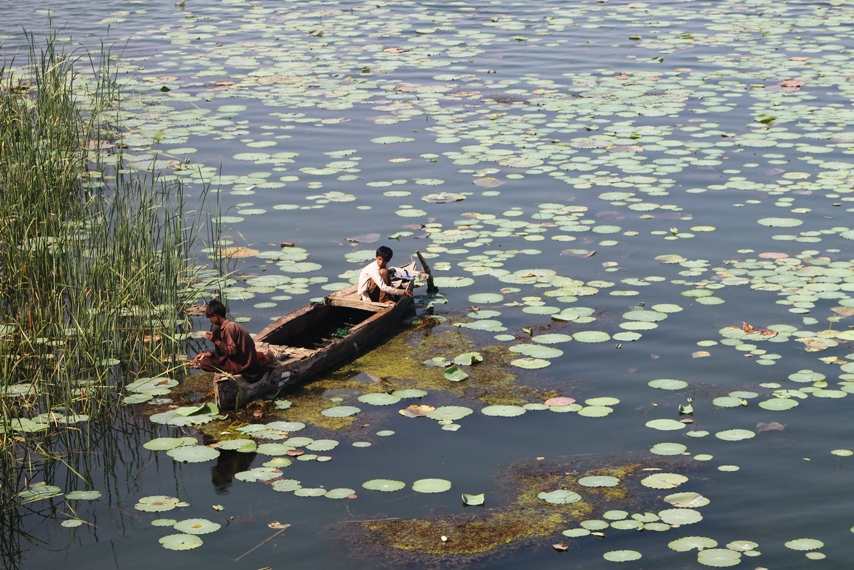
(285, 244)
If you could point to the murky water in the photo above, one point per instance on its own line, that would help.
(687, 159)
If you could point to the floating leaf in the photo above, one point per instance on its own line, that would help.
(259, 474)
(379, 399)
(180, 542)
(665, 424)
(560, 497)
(735, 434)
(455, 374)
(340, 493)
(384, 485)
(340, 411)
(193, 454)
(197, 526)
(286, 485)
(719, 557)
(622, 555)
(431, 486)
(668, 384)
(83, 495)
(450, 413)
(680, 516)
(804, 544)
(599, 481)
(663, 480)
(668, 448)
(503, 411)
(474, 500)
(688, 543)
(468, 358)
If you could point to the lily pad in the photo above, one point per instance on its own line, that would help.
(474, 500)
(83, 495)
(599, 481)
(384, 485)
(622, 555)
(668, 384)
(503, 411)
(340, 411)
(181, 542)
(560, 497)
(449, 413)
(719, 557)
(197, 526)
(663, 480)
(431, 486)
(735, 434)
(379, 399)
(455, 374)
(339, 493)
(193, 453)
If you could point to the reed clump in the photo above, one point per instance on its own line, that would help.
(95, 258)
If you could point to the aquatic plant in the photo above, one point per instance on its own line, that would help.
(96, 265)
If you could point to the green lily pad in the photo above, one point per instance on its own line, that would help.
(735, 434)
(474, 500)
(668, 384)
(687, 499)
(164, 522)
(340, 411)
(181, 542)
(197, 526)
(156, 504)
(193, 453)
(591, 336)
(259, 474)
(595, 411)
(778, 404)
(503, 411)
(240, 445)
(38, 492)
(718, 557)
(310, 492)
(431, 486)
(286, 485)
(530, 363)
(455, 374)
(663, 480)
(83, 495)
(468, 358)
(552, 338)
(688, 543)
(339, 493)
(560, 497)
(622, 555)
(379, 399)
(384, 485)
(449, 413)
(275, 449)
(665, 424)
(804, 544)
(599, 481)
(322, 445)
(680, 516)
(668, 448)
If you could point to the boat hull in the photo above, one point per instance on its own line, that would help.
(295, 356)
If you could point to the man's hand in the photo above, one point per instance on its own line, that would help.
(209, 335)
(407, 293)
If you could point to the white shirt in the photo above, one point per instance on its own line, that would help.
(371, 272)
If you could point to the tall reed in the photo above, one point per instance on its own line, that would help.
(95, 258)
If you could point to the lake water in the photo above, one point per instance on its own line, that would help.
(671, 169)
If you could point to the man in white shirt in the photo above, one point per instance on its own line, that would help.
(375, 282)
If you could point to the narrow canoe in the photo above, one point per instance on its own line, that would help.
(312, 340)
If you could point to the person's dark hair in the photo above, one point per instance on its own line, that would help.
(215, 307)
(385, 252)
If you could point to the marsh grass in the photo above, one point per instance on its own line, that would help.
(95, 261)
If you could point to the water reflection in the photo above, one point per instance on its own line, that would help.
(229, 463)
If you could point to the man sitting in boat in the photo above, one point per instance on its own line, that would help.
(375, 280)
(234, 350)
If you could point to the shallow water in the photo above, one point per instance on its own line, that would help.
(599, 147)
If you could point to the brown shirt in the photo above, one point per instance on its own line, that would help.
(234, 351)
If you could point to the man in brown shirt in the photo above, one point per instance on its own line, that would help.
(234, 350)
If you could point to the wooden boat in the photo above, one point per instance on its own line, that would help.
(313, 339)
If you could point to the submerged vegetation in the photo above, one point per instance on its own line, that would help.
(527, 511)
(96, 268)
